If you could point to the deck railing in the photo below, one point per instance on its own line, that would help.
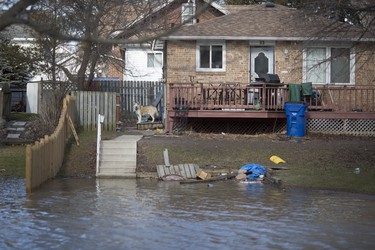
(265, 97)
(345, 98)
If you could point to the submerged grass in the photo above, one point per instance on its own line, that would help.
(337, 178)
(12, 161)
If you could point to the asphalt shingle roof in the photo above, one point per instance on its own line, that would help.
(276, 23)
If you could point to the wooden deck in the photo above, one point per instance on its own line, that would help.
(235, 100)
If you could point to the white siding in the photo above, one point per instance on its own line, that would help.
(32, 93)
(136, 66)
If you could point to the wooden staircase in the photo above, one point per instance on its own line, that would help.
(118, 157)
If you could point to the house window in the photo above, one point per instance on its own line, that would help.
(329, 65)
(340, 65)
(154, 60)
(211, 57)
(187, 13)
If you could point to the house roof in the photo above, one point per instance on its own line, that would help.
(258, 22)
(157, 8)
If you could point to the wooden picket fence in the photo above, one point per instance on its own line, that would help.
(1, 103)
(45, 157)
(92, 103)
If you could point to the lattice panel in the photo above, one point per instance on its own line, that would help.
(342, 126)
(233, 126)
(351, 127)
(58, 85)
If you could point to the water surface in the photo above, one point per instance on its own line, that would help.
(150, 214)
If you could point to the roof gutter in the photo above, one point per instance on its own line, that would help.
(265, 38)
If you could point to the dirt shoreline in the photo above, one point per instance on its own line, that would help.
(314, 161)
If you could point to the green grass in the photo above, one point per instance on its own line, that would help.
(12, 161)
(21, 116)
(12, 158)
(81, 160)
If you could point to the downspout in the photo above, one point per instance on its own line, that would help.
(165, 115)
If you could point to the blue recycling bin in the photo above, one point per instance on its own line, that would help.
(296, 118)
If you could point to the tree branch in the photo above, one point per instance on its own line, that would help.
(9, 17)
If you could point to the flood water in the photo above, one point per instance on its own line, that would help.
(150, 214)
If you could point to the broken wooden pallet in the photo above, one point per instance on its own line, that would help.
(187, 170)
(215, 178)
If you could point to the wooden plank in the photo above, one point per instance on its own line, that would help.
(71, 125)
(160, 170)
(188, 171)
(166, 158)
(193, 170)
(29, 165)
(213, 179)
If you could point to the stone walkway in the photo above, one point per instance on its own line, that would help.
(14, 131)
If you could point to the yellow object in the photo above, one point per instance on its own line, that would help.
(276, 159)
(203, 175)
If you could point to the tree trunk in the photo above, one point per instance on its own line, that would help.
(85, 61)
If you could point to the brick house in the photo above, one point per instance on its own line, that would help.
(293, 44)
(271, 39)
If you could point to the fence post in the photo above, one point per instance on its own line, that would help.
(98, 139)
(28, 168)
(2, 121)
(1, 103)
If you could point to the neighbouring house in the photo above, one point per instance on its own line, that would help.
(144, 54)
(30, 94)
(22, 36)
(256, 40)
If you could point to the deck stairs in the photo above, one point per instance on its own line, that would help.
(118, 157)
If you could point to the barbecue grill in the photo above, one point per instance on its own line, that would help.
(264, 80)
(268, 78)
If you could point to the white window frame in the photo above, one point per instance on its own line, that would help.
(211, 69)
(187, 18)
(155, 53)
(328, 64)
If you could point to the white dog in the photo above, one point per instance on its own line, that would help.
(145, 110)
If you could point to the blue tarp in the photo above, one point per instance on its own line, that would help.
(254, 170)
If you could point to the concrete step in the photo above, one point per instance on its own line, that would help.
(119, 144)
(118, 157)
(118, 164)
(119, 151)
(117, 175)
(116, 170)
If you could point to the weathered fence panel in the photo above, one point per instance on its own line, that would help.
(92, 103)
(44, 158)
(143, 92)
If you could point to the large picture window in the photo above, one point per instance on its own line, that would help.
(329, 65)
(211, 57)
(154, 60)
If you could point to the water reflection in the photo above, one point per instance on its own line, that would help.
(148, 214)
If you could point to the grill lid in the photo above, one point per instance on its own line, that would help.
(269, 78)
